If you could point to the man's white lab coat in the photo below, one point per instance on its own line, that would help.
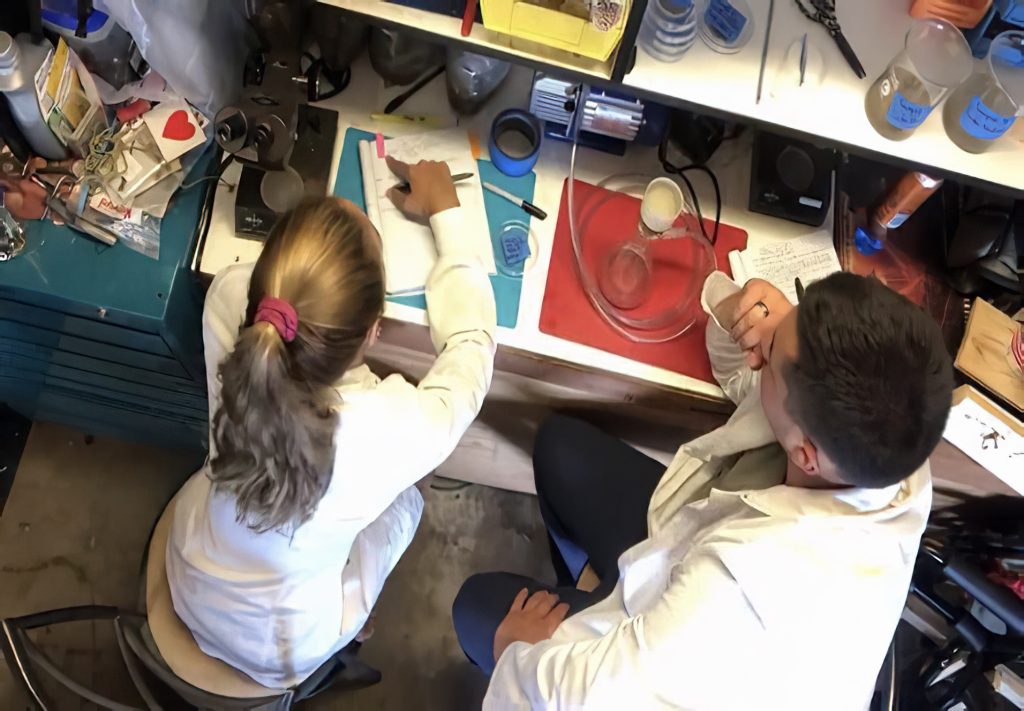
(782, 598)
(277, 604)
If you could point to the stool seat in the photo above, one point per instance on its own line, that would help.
(174, 640)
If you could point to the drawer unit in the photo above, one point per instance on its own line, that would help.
(105, 339)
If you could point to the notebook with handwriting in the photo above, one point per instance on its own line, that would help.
(810, 257)
(409, 251)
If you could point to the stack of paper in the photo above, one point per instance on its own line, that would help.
(810, 257)
(409, 251)
(987, 434)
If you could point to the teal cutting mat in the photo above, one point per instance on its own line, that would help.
(349, 185)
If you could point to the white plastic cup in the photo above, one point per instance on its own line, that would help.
(661, 205)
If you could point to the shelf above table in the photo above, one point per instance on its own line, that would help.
(828, 110)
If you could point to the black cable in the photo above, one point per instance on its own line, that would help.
(396, 102)
(671, 169)
(209, 194)
(318, 68)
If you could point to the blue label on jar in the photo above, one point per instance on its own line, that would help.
(1012, 55)
(904, 113)
(726, 21)
(982, 122)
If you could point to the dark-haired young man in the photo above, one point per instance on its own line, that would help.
(767, 567)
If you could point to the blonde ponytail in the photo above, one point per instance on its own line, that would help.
(274, 431)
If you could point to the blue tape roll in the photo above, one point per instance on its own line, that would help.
(523, 123)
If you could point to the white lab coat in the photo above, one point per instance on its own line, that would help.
(782, 598)
(275, 605)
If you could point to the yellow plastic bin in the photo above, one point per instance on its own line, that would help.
(551, 27)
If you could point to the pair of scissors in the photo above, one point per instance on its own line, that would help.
(824, 13)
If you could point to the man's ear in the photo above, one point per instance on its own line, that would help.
(805, 456)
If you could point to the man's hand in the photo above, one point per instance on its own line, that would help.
(752, 315)
(533, 620)
(431, 189)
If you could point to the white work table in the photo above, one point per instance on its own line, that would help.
(367, 94)
(830, 104)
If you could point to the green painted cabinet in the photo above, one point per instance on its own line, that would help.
(105, 339)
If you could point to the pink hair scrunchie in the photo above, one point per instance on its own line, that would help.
(280, 314)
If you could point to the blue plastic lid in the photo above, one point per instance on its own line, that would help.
(64, 13)
(865, 242)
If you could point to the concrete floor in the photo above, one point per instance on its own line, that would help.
(80, 511)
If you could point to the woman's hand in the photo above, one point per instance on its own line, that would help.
(431, 189)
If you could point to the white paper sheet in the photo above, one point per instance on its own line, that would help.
(987, 440)
(810, 257)
(409, 251)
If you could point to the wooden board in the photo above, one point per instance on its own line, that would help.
(983, 353)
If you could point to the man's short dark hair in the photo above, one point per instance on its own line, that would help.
(872, 381)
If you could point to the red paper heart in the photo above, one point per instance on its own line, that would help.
(178, 127)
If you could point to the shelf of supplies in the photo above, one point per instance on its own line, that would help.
(447, 30)
(828, 108)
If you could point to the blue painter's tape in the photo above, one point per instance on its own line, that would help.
(982, 122)
(517, 121)
(725, 20)
(515, 249)
(904, 113)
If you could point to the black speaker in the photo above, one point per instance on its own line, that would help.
(790, 179)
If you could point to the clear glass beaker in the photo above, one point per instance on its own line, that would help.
(984, 107)
(934, 60)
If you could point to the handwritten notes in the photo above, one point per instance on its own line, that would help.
(987, 440)
(810, 257)
(409, 252)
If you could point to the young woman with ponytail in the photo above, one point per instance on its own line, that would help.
(281, 544)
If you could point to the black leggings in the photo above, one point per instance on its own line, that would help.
(593, 491)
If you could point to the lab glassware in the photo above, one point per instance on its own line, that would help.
(935, 59)
(985, 106)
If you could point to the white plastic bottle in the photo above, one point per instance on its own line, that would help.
(20, 59)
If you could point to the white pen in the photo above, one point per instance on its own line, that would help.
(525, 204)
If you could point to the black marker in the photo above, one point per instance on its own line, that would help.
(525, 204)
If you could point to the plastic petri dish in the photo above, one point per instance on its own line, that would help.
(726, 26)
(516, 250)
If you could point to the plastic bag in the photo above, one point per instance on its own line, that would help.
(139, 232)
(472, 79)
(401, 57)
(198, 46)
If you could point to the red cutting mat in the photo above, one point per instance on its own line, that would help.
(567, 312)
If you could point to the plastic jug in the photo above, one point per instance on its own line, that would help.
(20, 59)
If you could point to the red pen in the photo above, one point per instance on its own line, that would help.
(468, 16)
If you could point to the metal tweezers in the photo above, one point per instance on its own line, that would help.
(825, 14)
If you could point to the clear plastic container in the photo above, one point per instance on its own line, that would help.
(20, 59)
(726, 25)
(105, 48)
(935, 59)
(985, 106)
(669, 29)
